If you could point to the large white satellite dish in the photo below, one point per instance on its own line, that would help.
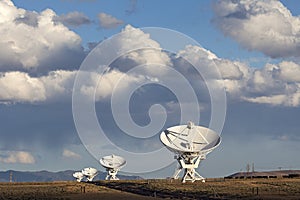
(112, 164)
(90, 173)
(79, 176)
(191, 144)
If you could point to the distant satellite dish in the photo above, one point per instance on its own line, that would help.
(90, 173)
(79, 176)
(191, 144)
(112, 164)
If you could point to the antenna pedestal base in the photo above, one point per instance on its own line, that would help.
(79, 179)
(111, 174)
(192, 175)
(189, 163)
(90, 179)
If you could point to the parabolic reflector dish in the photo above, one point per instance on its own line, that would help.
(112, 162)
(190, 139)
(89, 171)
(190, 143)
(78, 175)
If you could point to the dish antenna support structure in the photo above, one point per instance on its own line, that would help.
(112, 164)
(90, 173)
(190, 144)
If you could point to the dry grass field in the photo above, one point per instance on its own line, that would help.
(62, 191)
(213, 188)
(155, 189)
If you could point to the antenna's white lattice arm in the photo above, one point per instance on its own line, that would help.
(177, 171)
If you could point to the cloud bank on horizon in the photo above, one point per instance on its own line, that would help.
(40, 55)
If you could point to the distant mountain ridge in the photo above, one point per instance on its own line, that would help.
(46, 176)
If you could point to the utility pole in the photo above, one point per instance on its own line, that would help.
(248, 168)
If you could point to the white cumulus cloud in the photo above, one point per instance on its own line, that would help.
(108, 21)
(267, 26)
(35, 42)
(131, 40)
(21, 87)
(273, 84)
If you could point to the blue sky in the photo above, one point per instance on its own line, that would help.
(253, 44)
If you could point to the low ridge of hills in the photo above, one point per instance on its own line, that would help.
(46, 176)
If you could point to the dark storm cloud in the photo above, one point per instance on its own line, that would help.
(33, 127)
(63, 58)
(250, 120)
(139, 108)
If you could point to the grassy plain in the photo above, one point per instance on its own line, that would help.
(62, 191)
(213, 188)
(149, 189)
